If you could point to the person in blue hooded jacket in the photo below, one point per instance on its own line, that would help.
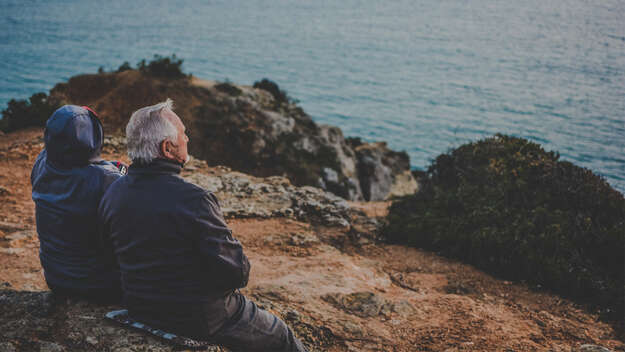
(68, 181)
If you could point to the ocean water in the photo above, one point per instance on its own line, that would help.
(425, 76)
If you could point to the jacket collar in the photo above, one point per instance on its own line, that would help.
(156, 167)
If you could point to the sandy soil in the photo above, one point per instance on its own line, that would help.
(421, 302)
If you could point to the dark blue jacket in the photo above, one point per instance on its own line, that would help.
(171, 241)
(68, 181)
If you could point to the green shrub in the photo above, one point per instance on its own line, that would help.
(228, 88)
(279, 95)
(125, 67)
(162, 66)
(507, 206)
(27, 113)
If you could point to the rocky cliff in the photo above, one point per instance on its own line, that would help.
(250, 130)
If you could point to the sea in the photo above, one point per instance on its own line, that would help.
(424, 75)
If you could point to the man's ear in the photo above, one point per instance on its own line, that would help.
(166, 148)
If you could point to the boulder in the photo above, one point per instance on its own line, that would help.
(382, 172)
(245, 196)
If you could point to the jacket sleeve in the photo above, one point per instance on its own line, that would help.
(227, 265)
(109, 175)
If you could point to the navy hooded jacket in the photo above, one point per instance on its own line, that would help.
(68, 181)
(173, 246)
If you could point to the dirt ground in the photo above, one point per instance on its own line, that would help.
(354, 293)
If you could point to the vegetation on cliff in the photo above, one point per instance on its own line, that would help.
(162, 66)
(28, 113)
(507, 206)
(278, 94)
(36, 110)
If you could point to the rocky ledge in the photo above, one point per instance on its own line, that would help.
(251, 130)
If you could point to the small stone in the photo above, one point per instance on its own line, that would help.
(591, 348)
(403, 308)
(74, 337)
(4, 191)
(109, 330)
(292, 315)
(13, 251)
(303, 240)
(351, 328)
(11, 227)
(45, 346)
(7, 347)
(362, 240)
(362, 304)
(91, 340)
(386, 309)
(330, 175)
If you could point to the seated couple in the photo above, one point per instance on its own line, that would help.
(148, 239)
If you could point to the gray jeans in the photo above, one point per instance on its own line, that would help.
(254, 329)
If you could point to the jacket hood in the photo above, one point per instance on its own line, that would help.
(73, 136)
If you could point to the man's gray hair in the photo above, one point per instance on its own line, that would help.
(146, 130)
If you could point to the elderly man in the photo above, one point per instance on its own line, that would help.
(68, 181)
(180, 264)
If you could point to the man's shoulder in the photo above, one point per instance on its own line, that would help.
(193, 187)
(197, 193)
(172, 184)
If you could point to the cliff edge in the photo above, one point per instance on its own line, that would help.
(336, 284)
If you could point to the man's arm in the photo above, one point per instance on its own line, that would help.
(227, 264)
(109, 175)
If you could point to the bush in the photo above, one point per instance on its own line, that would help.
(509, 207)
(27, 113)
(279, 95)
(124, 67)
(162, 66)
(228, 88)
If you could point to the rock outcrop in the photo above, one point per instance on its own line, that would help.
(251, 131)
(382, 172)
(245, 196)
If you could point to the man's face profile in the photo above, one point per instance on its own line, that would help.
(176, 150)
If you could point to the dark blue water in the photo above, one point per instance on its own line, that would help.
(423, 75)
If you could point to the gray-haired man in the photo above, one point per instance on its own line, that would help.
(180, 265)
